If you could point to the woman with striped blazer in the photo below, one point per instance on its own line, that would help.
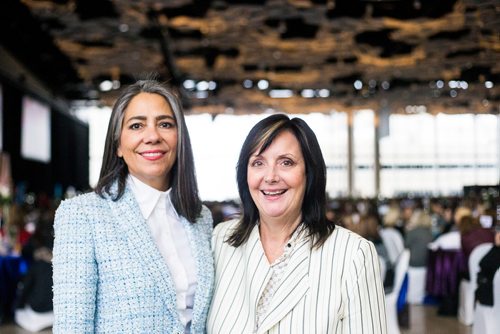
(282, 267)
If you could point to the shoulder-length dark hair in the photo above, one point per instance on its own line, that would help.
(183, 177)
(314, 205)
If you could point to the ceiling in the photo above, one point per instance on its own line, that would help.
(315, 55)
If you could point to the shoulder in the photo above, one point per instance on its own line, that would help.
(81, 202)
(222, 231)
(81, 207)
(351, 244)
(225, 228)
(205, 220)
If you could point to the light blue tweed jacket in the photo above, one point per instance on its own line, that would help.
(109, 276)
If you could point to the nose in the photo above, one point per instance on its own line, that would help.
(151, 135)
(271, 176)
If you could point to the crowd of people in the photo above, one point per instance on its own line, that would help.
(284, 257)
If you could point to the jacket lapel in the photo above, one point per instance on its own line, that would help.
(294, 285)
(201, 252)
(128, 216)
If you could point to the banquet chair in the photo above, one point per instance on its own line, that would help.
(393, 242)
(391, 299)
(468, 287)
(487, 318)
(416, 284)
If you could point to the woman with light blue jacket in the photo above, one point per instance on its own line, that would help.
(134, 255)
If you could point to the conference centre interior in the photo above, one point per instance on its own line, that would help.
(403, 96)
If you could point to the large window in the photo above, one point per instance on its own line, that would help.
(421, 154)
(439, 154)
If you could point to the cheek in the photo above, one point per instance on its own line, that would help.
(253, 180)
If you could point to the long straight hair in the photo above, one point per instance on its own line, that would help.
(260, 138)
(182, 176)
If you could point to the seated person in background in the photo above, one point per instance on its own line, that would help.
(418, 236)
(488, 266)
(452, 239)
(35, 300)
(473, 234)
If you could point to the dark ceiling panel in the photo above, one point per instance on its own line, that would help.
(365, 53)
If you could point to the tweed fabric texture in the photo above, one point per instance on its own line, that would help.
(109, 276)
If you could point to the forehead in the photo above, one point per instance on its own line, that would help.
(284, 142)
(148, 103)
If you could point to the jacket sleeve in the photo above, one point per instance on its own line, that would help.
(366, 299)
(75, 270)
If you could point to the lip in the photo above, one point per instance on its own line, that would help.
(273, 193)
(152, 155)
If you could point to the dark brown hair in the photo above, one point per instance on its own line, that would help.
(314, 205)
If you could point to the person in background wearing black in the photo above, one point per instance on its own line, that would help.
(35, 309)
(488, 266)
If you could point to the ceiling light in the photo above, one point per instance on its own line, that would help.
(123, 27)
(358, 84)
(488, 84)
(453, 93)
(247, 83)
(307, 93)
(386, 85)
(201, 95)
(202, 85)
(281, 93)
(324, 92)
(263, 84)
(212, 85)
(106, 86)
(440, 84)
(189, 84)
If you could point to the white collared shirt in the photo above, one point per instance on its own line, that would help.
(172, 241)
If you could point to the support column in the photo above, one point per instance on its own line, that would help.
(376, 141)
(350, 155)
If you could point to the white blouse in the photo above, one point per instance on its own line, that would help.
(172, 241)
(278, 268)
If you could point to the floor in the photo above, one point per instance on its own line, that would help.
(422, 320)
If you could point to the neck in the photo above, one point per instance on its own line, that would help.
(274, 234)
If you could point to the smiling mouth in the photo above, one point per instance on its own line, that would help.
(151, 154)
(273, 193)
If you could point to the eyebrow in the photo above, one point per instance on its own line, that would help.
(281, 156)
(143, 118)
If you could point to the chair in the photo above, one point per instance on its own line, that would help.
(393, 242)
(391, 299)
(416, 284)
(468, 288)
(487, 318)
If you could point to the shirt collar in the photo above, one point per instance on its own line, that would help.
(148, 197)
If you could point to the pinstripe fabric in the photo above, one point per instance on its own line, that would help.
(333, 289)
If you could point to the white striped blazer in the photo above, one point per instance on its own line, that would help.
(332, 289)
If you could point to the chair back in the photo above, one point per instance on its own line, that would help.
(402, 265)
(475, 257)
(393, 242)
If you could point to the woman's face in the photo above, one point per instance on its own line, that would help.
(277, 179)
(148, 142)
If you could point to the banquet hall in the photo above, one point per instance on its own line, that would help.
(402, 95)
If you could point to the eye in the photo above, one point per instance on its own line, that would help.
(135, 126)
(167, 125)
(256, 163)
(288, 162)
